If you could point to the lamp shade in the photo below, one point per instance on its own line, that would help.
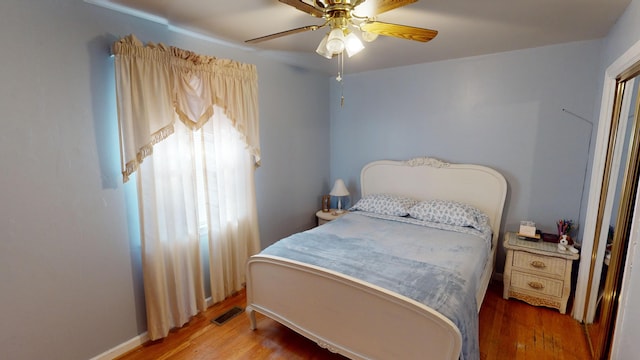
(368, 36)
(335, 42)
(339, 189)
(322, 48)
(352, 44)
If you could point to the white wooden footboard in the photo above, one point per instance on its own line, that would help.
(345, 315)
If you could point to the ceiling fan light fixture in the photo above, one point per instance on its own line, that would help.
(335, 41)
(322, 48)
(369, 36)
(352, 44)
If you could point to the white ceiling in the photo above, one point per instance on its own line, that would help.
(466, 27)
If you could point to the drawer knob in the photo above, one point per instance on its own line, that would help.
(538, 264)
(536, 285)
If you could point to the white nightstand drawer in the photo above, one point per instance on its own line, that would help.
(537, 284)
(542, 264)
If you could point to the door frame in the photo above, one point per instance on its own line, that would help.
(618, 67)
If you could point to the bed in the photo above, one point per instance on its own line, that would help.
(323, 285)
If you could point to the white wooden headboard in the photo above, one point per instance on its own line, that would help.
(428, 178)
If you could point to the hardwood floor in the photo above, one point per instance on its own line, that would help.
(508, 330)
(512, 329)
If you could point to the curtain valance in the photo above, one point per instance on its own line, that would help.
(158, 84)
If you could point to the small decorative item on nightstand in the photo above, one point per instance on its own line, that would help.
(564, 229)
(538, 273)
(326, 200)
(528, 231)
(325, 217)
(527, 228)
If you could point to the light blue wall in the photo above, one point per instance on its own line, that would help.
(70, 278)
(70, 281)
(503, 110)
(623, 35)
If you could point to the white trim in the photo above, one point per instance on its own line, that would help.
(624, 62)
(132, 343)
(123, 348)
(163, 21)
(128, 10)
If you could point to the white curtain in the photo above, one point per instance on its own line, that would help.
(193, 120)
(229, 211)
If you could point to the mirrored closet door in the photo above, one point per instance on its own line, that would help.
(619, 187)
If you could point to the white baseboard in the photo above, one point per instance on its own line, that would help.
(123, 348)
(132, 343)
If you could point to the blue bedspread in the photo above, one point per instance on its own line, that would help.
(436, 267)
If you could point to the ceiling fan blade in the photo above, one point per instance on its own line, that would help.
(399, 31)
(386, 5)
(284, 33)
(303, 6)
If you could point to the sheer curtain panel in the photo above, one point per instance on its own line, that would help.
(189, 127)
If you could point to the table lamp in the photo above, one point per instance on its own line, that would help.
(339, 190)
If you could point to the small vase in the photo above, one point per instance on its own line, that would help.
(326, 199)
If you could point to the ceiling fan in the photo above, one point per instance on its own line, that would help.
(344, 16)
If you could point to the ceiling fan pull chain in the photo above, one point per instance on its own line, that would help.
(340, 67)
(339, 78)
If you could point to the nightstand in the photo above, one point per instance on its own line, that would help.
(537, 272)
(325, 217)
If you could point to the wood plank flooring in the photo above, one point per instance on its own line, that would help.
(508, 330)
(512, 329)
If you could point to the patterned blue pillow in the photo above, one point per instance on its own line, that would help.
(446, 212)
(385, 204)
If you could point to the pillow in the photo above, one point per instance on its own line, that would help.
(385, 204)
(446, 212)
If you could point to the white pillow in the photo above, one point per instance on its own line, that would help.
(385, 204)
(446, 212)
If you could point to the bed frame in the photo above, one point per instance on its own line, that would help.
(360, 320)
